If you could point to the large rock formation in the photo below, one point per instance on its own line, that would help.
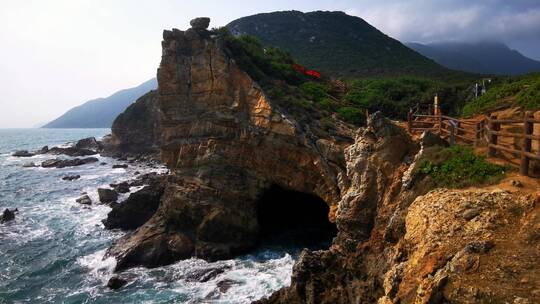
(226, 144)
(137, 130)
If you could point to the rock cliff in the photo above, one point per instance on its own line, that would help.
(137, 130)
(226, 144)
(229, 146)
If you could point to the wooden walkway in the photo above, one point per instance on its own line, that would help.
(486, 131)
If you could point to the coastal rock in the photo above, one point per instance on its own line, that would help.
(137, 130)
(43, 150)
(8, 215)
(71, 151)
(84, 200)
(71, 177)
(62, 163)
(226, 144)
(89, 143)
(138, 208)
(120, 166)
(116, 282)
(122, 187)
(107, 196)
(22, 153)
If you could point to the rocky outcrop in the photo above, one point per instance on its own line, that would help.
(62, 163)
(84, 200)
(137, 130)
(107, 196)
(138, 208)
(22, 153)
(226, 143)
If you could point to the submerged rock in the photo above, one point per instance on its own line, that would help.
(121, 166)
(71, 177)
(107, 195)
(116, 282)
(29, 165)
(8, 215)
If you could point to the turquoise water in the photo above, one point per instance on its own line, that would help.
(53, 251)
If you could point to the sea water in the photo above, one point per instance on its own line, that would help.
(53, 251)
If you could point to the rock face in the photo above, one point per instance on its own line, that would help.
(107, 196)
(226, 144)
(136, 130)
(138, 208)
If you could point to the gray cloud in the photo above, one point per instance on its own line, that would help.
(516, 22)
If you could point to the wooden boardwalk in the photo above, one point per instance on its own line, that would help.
(498, 135)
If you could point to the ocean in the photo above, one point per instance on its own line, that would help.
(53, 251)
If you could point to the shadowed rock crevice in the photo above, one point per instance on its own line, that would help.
(293, 218)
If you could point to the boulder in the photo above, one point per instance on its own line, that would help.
(71, 151)
(89, 143)
(8, 215)
(107, 195)
(62, 163)
(71, 177)
(136, 209)
(122, 187)
(84, 200)
(200, 23)
(116, 282)
(43, 150)
(22, 153)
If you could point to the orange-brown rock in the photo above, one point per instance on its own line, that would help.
(226, 143)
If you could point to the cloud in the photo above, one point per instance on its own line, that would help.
(514, 22)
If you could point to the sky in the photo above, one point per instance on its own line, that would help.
(57, 54)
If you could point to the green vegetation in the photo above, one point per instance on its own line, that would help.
(395, 96)
(336, 43)
(320, 101)
(523, 91)
(458, 166)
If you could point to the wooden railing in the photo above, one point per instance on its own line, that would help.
(484, 131)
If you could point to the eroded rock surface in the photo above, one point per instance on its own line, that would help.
(225, 143)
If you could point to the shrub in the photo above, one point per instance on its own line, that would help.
(458, 166)
(352, 115)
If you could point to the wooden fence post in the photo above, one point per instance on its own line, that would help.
(526, 147)
(440, 123)
(409, 121)
(476, 133)
(492, 126)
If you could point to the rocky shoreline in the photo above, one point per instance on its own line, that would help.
(240, 164)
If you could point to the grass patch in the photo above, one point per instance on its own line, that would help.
(458, 167)
(526, 90)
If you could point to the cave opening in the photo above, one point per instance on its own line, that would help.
(294, 219)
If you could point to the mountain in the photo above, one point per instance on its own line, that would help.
(335, 42)
(101, 112)
(478, 57)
